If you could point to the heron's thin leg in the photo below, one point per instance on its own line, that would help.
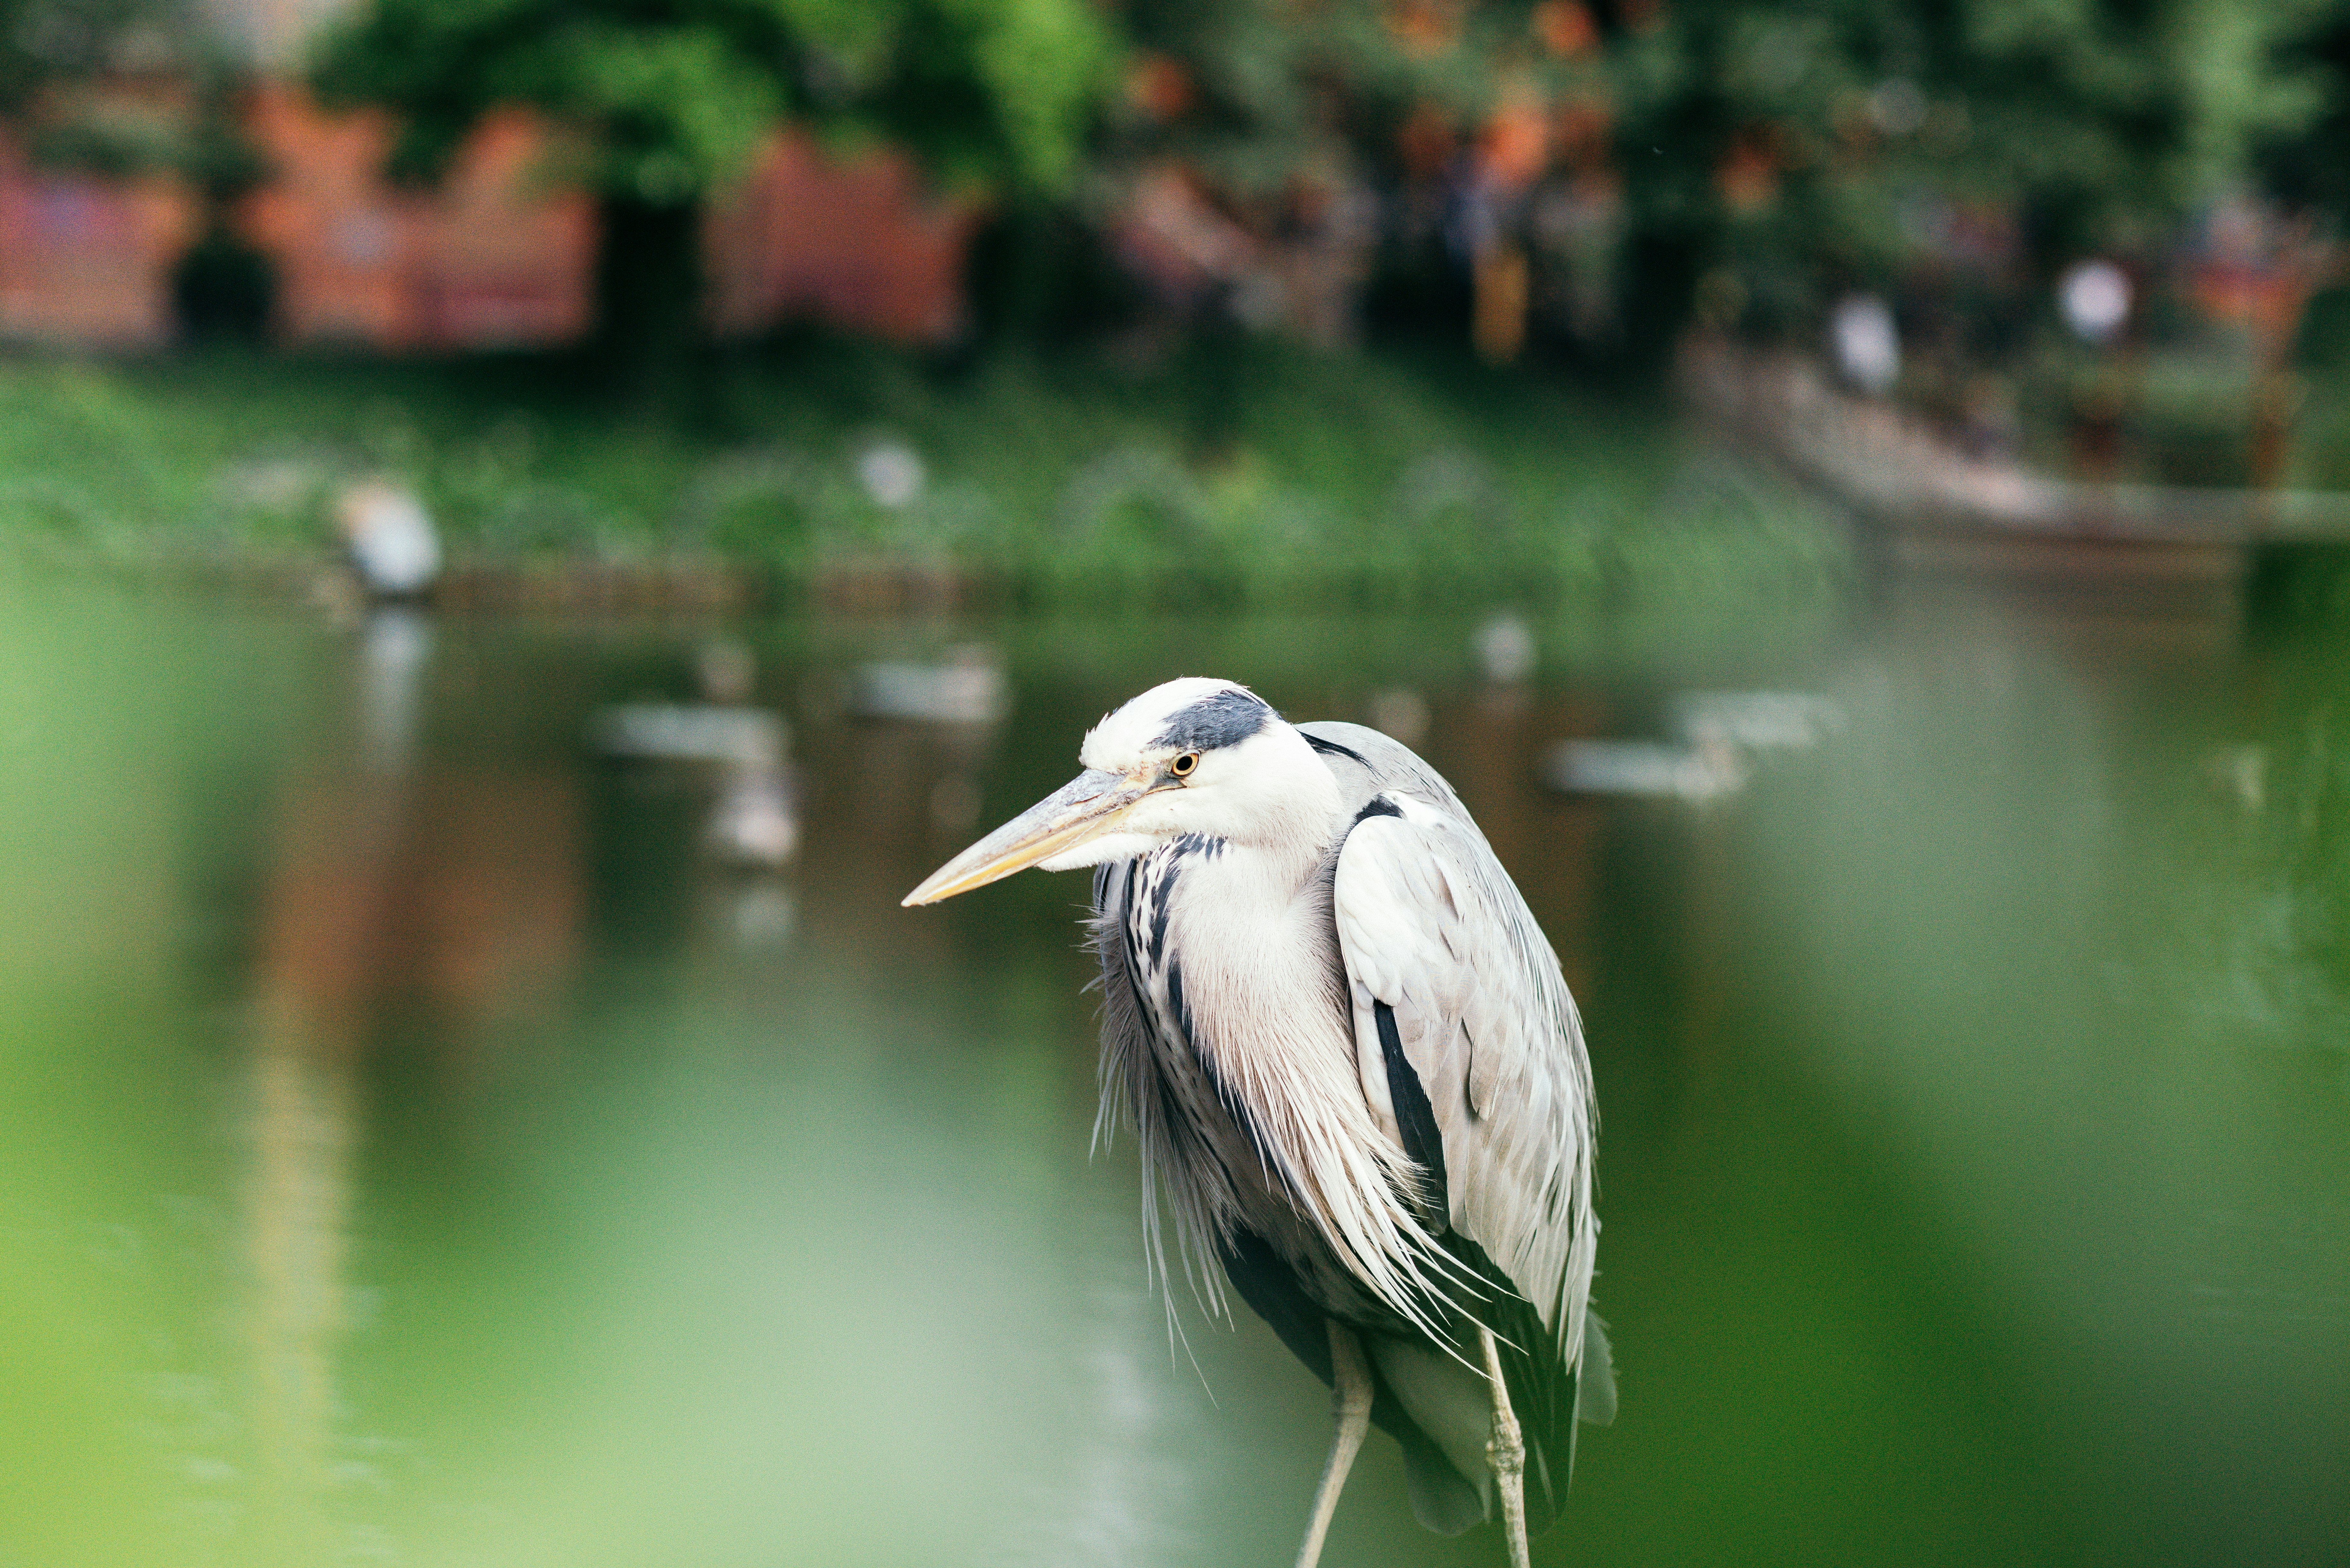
(1351, 1401)
(1506, 1452)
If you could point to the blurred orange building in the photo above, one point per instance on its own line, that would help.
(856, 243)
(491, 259)
(88, 262)
(496, 256)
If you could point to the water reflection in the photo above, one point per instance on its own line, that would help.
(325, 927)
(297, 1208)
(1976, 1163)
(393, 887)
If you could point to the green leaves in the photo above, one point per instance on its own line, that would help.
(676, 110)
(672, 96)
(1043, 62)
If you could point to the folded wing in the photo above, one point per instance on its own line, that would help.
(1470, 1051)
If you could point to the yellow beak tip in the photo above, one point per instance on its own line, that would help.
(1085, 808)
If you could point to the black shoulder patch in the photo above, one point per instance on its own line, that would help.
(1333, 748)
(1226, 719)
(1415, 1118)
(1380, 806)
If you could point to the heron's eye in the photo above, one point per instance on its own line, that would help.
(1181, 766)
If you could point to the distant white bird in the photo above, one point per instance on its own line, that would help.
(968, 688)
(392, 544)
(755, 821)
(1866, 343)
(1356, 1072)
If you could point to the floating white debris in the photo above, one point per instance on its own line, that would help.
(1644, 768)
(967, 690)
(739, 737)
(757, 821)
(1756, 721)
(892, 475)
(390, 538)
(1505, 651)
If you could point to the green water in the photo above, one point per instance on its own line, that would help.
(417, 1150)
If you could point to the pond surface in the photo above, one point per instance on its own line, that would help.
(422, 1148)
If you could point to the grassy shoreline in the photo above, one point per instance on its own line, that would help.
(1257, 474)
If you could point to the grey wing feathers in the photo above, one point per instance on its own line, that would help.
(1595, 1390)
(1367, 762)
(1431, 926)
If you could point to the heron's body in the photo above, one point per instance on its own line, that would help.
(1353, 1067)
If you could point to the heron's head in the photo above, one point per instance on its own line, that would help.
(1191, 756)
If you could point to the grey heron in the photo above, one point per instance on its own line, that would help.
(1354, 1073)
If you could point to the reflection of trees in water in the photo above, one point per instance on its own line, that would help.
(390, 888)
(302, 1134)
(888, 799)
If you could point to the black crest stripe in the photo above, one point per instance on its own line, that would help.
(1226, 719)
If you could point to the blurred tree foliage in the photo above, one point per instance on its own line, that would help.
(122, 88)
(666, 101)
(1254, 93)
(1798, 148)
(1626, 161)
(1807, 138)
(44, 42)
(113, 87)
(2310, 165)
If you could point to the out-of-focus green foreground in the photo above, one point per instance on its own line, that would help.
(417, 1151)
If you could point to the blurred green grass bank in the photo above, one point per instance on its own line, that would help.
(1255, 471)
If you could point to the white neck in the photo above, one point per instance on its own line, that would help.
(1291, 809)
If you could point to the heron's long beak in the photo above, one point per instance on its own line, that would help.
(1087, 806)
